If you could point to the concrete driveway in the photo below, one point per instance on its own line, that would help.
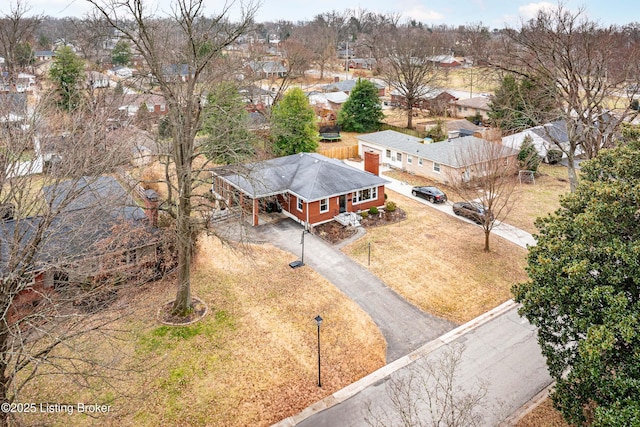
(404, 326)
(506, 231)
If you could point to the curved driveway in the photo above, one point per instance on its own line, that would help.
(404, 326)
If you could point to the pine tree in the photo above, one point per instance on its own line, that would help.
(294, 128)
(362, 112)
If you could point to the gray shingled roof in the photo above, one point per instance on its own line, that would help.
(444, 152)
(309, 176)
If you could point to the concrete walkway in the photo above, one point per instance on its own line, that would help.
(404, 326)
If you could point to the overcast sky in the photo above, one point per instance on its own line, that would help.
(493, 13)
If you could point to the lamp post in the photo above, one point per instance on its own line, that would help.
(319, 321)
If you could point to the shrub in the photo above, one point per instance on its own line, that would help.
(373, 210)
(364, 214)
(554, 156)
(528, 155)
(390, 206)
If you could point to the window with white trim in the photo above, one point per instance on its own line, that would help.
(388, 154)
(324, 205)
(409, 159)
(420, 161)
(299, 204)
(436, 167)
(365, 195)
(399, 157)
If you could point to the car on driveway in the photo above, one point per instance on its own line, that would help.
(432, 194)
(473, 211)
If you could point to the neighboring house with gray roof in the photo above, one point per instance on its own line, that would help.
(347, 86)
(267, 69)
(440, 161)
(478, 105)
(544, 138)
(309, 187)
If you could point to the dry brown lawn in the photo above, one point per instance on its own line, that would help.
(437, 262)
(543, 416)
(251, 361)
(530, 201)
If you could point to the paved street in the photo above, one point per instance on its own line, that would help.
(499, 350)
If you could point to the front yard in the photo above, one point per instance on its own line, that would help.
(252, 361)
(437, 262)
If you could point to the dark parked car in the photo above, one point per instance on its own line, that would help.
(473, 211)
(432, 194)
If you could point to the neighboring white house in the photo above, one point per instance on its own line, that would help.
(544, 138)
(441, 161)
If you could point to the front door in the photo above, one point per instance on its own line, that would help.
(343, 203)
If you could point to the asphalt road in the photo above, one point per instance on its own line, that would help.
(404, 326)
(502, 353)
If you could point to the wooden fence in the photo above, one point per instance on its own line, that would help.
(412, 132)
(340, 153)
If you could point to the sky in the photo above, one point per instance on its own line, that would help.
(492, 13)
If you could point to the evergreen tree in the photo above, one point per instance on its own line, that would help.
(583, 292)
(362, 112)
(294, 128)
(67, 75)
(226, 125)
(121, 53)
(519, 104)
(528, 156)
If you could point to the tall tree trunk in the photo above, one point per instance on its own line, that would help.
(487, 233)
(409, 115)
(571, 171)
(184, 231)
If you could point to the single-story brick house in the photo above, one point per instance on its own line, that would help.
(98, 231)
(440, 161)
(309, 187)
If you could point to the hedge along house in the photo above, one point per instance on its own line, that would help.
(308, 187)
(465, 157)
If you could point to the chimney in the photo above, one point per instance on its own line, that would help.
(372, 162)
(151, 206)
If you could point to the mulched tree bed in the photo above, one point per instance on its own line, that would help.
(199, 311)
(334, 232)
(384, 218)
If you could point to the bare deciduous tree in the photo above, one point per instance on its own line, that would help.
(52, 234)
(488, 180)
(179, 51)
(409, 68)
(430, 395)
(586, 66)
(16, 31)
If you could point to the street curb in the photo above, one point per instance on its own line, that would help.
(376, 376)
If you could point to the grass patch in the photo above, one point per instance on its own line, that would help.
(543, 415)
(437, 262)
(251, 361)
(530, 200)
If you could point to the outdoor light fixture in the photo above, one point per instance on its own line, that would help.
(319, 321)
